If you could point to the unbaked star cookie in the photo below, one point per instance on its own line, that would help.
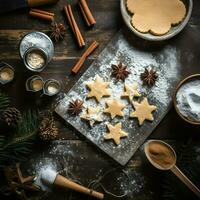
(114, 108)
(143, 111)
(131, 92)
(98, 88)
(115, 133)
(92, 115)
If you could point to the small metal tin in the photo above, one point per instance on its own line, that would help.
(30, 86)
(39, 52)
(36, 41)
(52, 84)
(3, 67)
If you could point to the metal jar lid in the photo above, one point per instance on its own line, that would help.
(36, 40)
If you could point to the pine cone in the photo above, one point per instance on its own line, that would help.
(48, 129)
(11, 116)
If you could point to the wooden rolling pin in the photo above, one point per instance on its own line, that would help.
(50, 177)
(13, 5)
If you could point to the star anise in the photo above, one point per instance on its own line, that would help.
(120, 72)
(75, 107)
(149, 77)
(57, 31)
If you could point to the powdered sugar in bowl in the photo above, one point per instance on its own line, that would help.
(187, 99)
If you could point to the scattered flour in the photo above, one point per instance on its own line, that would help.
(133, 185)
(165, 62)
(46, 177)
(60, 158)
(188, 100)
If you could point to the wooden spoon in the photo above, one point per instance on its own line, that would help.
(169, 164)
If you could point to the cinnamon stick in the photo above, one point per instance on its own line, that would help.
(89, 19)
(77, 30)
(74, 26)
(84, 15)
(82, 59)
(41, 14)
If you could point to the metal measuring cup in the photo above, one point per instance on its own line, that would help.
(51, 87)
(7, 73)
(34, 83)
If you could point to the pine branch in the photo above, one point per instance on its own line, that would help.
(17, 148)
(29, 123)
(4, 102)
(18, 140)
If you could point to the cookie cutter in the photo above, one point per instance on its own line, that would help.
(4, 65)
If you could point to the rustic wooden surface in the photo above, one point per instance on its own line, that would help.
(15, 24)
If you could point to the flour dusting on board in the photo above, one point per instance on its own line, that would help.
(165, 62)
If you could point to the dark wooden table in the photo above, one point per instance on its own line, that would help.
(15, 24)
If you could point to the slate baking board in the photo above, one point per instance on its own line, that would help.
(137, 55)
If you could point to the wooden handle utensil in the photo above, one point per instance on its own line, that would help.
(162, 151)
(185, 180)
(66, 183)
(50, 177)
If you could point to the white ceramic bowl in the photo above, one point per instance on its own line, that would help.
(148, 36)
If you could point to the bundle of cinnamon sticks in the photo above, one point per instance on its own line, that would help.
(88, 17)
(73, 25)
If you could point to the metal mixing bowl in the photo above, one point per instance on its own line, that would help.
(148, 36)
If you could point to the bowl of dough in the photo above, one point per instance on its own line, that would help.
(156, 20)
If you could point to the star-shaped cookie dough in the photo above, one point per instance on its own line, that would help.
(115, 133)
(131, 92)
(98, 88)
(143, 111)
(114, 108)
(92, 115)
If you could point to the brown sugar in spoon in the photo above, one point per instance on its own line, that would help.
(162, 156)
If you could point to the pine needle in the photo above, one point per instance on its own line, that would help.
(19, 146)
(4, 102)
